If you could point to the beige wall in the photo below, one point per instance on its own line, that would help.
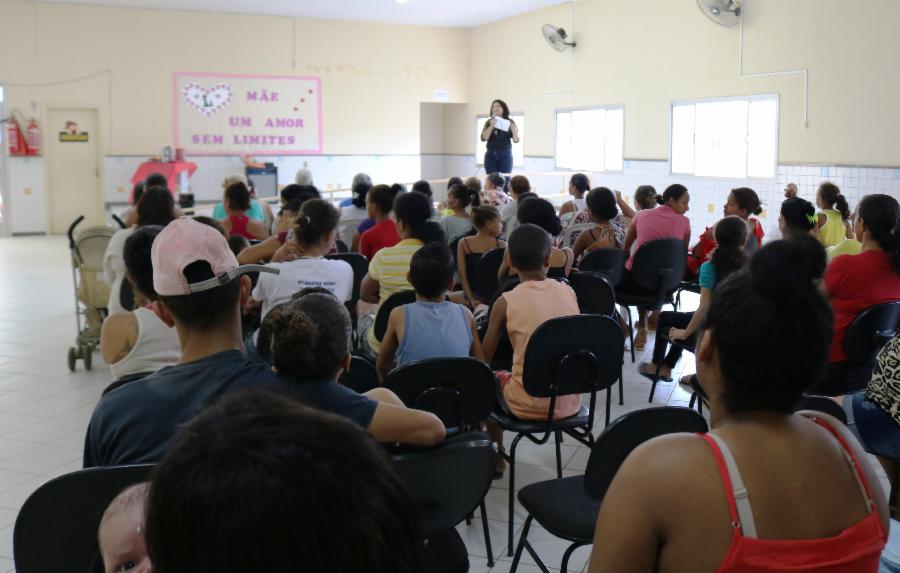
(644, 54)
(374, 75)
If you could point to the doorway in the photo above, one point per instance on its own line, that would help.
(73, 169)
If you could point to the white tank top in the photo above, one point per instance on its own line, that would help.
(579, 203)
(157, 346)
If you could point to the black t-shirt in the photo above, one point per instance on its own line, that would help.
(136, 423)
(499, 140)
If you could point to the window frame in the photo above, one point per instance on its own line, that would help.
(748, 98)
(604, 107)
(479, 158)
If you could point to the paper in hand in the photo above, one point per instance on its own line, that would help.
(501, 124)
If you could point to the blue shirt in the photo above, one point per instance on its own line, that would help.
(346, 202)
(707, 275)
(434, 330)
(255, 211)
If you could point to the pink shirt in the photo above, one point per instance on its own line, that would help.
(660, 223)
(529, 305)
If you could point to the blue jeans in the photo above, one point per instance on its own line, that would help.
(498, 161)
(875, 428)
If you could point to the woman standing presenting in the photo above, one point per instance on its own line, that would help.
(500, 132)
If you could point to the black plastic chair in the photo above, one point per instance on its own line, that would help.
(56, 529)
(485, 283)
(658, 269)
(360, 267)
(568, 355)
(689, 286)
(459, 391)
(341, 246)
(594, 292)
(361, 377)
(384, 311)
(822, 404)
(608, 262)
(568, 507)
(447, 483)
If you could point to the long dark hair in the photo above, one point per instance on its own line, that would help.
(881, 215)
(503, 105)
(728, 257)
(540, 212)
(413, 209)
(831, 195)
(156, 207)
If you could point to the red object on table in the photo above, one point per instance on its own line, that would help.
(171, 170)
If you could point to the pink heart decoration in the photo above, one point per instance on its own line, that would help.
(207, 100)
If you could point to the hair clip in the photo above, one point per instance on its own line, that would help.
(811, 219)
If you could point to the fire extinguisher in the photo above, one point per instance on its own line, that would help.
(33, 138)
(15, 141)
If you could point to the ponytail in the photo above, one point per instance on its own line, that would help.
(843, 207)
(728, 257)
(316, 219)
(831, 196)
(413, 209)
(748, 200)
(465, 195)
(881, 216)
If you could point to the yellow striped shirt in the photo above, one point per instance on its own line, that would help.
(389, 267)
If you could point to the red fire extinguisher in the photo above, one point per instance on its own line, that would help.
(33, 138)
(15, 141)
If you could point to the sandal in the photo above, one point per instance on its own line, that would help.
(640, 341)
(653, 320)
(643, 368)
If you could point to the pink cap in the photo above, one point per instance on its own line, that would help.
(185, 241)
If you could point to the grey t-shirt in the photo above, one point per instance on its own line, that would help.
(454, 227)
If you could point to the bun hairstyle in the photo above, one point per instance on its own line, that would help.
(602, 203)
(423, 187)
(237, 195)
(483, 215)
(315, 221)
(359, 192)
(580, 182)
(881, 216)
(309, 336)
(798, 214)
(465, 196)
(748, 200)
(539, 212)
(831, 196)
(473, 183)
(778, 294)
(673, 192)
(645, 197)
(414, 211)
(728, 257)
(398, 188)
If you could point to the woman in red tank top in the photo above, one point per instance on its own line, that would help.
(767, 489)
(237, 202)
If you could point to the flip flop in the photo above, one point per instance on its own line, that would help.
(640, 340)
(649, 376)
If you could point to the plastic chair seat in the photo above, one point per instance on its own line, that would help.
(509, 422)
(562, 507)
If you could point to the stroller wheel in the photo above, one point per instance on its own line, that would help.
(88, 356)
(73, 356)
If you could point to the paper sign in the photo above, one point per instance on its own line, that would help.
(227, 114)
(441, 95)
(502, 124)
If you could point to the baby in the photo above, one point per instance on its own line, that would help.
(121, 533)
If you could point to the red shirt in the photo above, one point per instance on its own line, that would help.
(854, 283)
(382, 235)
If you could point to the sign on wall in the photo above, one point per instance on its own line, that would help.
(227, 114)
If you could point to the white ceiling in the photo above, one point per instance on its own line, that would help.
(456, 13)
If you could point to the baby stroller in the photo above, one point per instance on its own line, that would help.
(88, 248)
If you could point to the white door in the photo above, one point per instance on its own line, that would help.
(73, 156)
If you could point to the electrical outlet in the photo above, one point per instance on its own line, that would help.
(710, 208)
(120, 189)
(26, 191)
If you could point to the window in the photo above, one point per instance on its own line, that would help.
(518, 149)
(590, 139)
(734, 137)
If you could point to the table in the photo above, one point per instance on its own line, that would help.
(171, 170)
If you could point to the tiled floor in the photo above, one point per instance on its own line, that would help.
(44, 409)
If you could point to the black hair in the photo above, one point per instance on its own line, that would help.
(210, 222)
(310, 336)
(728, 256)
(207, 310)
(423, 187)
(881, 216)
(237, 196)
(317, 218)
(772, 327)
(831, 195)
(290, 192)
(414, 211)
(503, 105)
(645, 197)
(580, 182)
(431, 270)
(674, 191)
(398, 188)
(156, 207)
(496, 180)
(237, 243)
(465, 195)
(541, 213)
(156, 180)
(136, 192)
(529, 246)
(261, 482)
(748, 200)
(798, 214)
(359, 192)
(519, 184)
(602, 203)
(483, 215)
(454, 181)
(382, 197)
(136, 254)
(526, 195)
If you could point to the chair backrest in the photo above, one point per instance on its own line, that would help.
(361, 377)
(871, 330)
(608, 262)
(341, 246)
(56, 529)
(360, 267)
(822, 404)
(659, 265)
(573, 355)
(459, 391)
(448, 482)
(628, 432)
(485, 282)
(595, 294)
(384, 311)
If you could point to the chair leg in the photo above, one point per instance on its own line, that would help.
(522, 541)
(512, 491)
(567, 555)
(609, 402)
(631, 333)
(621, 390)
(487, 535)
(558, 436)
(653, 389)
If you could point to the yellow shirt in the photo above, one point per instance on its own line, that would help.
(845, 247)
(389, 267)
(833, 231)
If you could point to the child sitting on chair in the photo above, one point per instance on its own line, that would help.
(431, 327)
(121, 532)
